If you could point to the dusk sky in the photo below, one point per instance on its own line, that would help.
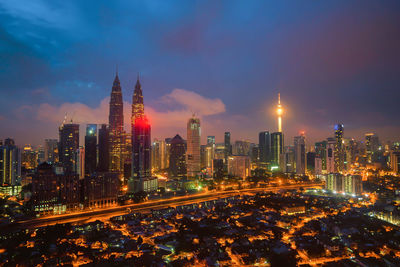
(332, 61)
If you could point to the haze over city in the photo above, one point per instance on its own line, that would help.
(199, 133)
(333, 62)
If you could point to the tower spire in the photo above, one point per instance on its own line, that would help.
(279, 112)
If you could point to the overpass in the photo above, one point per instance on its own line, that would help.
(105, 213)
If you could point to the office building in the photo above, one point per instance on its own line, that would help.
(239, 166)
(68, 145)
(54, 193)
(264, 146)
(177, 157)
(300, 154)
(79, 162)
(116, 128)
(227, 148)
(330, 155)
(10, 163)
(193, 147)
(103, 147)
(395, 161)
(339, 148)
(91, 148)
(51, 150)
(277, 145)
(141, 144)
(371, 145)
(218, 169)
(29, 158)
(287, 160)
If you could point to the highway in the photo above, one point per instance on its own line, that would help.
(105, 213)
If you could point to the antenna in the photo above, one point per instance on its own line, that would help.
(65, 118)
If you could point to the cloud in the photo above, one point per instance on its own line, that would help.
(176, 108)
(194, 102)
(78, 112)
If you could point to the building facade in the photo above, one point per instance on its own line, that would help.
(193, 148)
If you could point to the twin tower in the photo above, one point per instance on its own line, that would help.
(120, 152)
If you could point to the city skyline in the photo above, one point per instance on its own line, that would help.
(289, 54)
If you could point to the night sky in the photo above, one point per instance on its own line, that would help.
(332, 61)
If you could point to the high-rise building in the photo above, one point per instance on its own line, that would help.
(320, 156)
(211, 139)
(79, 162)
(300, 154)
(91, 148)
(193, 147)
(51, 150)
(264, 146)
(241, 148)
(276, 149)
(53, 192)
(239, 166)
(330, 155)
(335, 182)
(10, 163)
(141, 143)
(159, 155)
(104, 151)
(395, 161)
(177, 157)
(287, 162)
(353, 185)
(116, 128)
(254, 153)
(218, 168)
(69, 144)
(40, 154)
(311, 162)
(339, 151)
(29, 158)
(228, 148)
(372, 145)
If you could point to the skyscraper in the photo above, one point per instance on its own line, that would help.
(300, 154)
(264, 146)
(211, 140)
(90, 148)
(141, 142)
(330, 155)
(339, 151)
(10, 163)
(51, 150)
(116, 127)
(372, 145)
(227, 149)
(177, 158)
(68, 146)
(193, 147)
(276, 148)
(104, 152)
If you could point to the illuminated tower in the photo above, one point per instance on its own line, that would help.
(137, 102)
(141, 142)
(279, 112)
(193, 147)
(116, 127)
